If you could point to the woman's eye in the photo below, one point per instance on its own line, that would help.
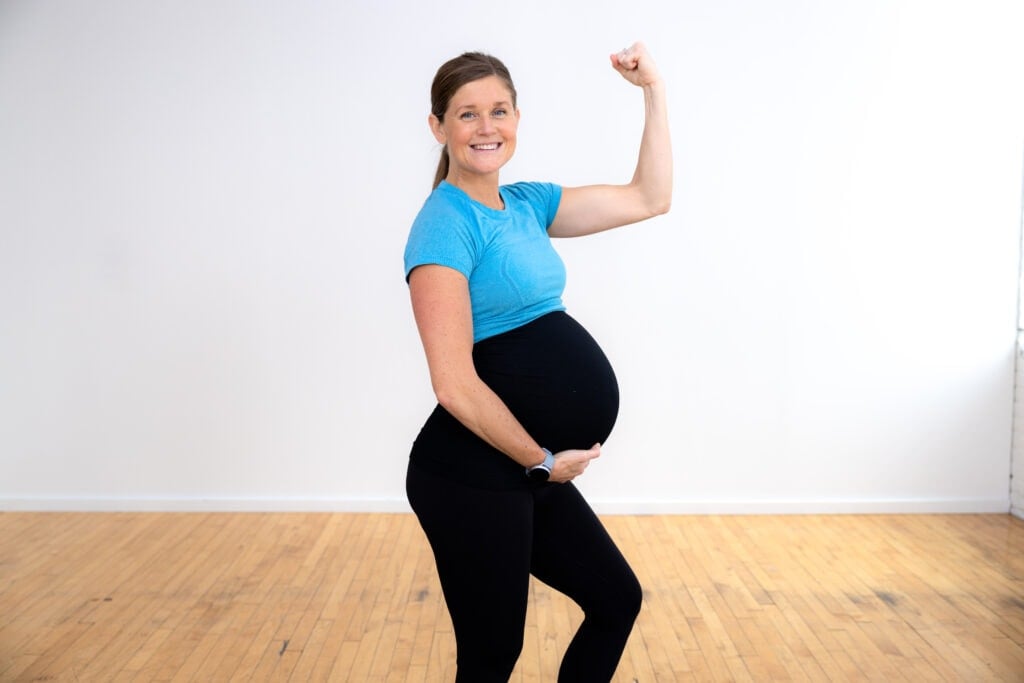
(500, 113)
(466, 116)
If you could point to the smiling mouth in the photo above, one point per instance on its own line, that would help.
(489, 147)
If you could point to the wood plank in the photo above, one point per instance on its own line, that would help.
(336, 597)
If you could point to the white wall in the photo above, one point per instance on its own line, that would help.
(1017, 480)
(203, 207)
(1017, 457)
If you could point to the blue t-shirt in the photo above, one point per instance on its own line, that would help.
(515, 275)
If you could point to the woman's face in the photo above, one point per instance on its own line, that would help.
(479, 128)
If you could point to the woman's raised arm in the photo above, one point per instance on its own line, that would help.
(593, 208)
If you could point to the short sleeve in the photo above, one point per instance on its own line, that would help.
(444, 240)
(543, 199)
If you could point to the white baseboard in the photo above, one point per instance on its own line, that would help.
(803, 507)
(204, 505)
(605, 507)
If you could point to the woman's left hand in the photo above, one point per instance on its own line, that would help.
(636, 65)
(593, 208)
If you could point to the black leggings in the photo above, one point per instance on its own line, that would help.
(487, 543)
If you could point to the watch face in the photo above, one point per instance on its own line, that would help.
(539, 474)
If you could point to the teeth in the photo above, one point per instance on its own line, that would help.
(493, 145)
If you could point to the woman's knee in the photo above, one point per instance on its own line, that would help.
(621, 603)
(630, 597)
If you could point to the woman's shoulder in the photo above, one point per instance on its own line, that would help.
(445, 215)
(541, 198)
(534, 192)
(530, 188)
(443, 204)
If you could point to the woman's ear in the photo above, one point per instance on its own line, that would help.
(437, 129)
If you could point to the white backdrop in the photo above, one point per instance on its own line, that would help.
(203, 206)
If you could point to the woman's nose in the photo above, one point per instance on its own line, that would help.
(486, 124)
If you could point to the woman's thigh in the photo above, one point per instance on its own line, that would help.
(482, 546)
(573, 553)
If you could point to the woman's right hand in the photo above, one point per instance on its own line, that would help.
(571, 463)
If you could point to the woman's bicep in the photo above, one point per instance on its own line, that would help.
(594, 208)
(444, 317)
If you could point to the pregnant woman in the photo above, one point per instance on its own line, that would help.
(525, 395)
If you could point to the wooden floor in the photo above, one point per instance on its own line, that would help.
(354, 597)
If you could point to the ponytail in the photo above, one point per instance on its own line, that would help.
(442, 167)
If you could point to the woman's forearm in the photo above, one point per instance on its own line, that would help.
(653, 174)
(480, 410)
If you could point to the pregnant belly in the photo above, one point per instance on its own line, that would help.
(555, 379)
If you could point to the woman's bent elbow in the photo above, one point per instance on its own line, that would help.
(445, 398)
(450, 398)
(655, 201)
(659, 206)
